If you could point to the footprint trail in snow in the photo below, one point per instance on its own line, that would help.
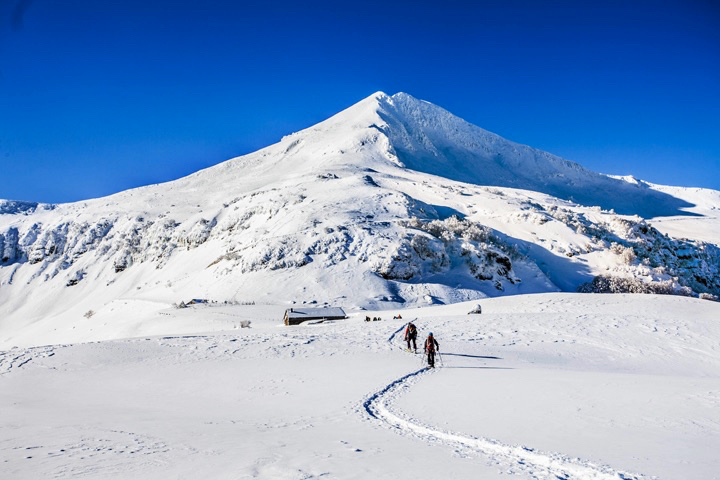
(518, 459)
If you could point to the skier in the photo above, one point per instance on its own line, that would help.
(431, 346)
(411, 336)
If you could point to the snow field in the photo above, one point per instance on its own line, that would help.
(537, 387)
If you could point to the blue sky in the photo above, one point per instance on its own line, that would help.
(97, 97)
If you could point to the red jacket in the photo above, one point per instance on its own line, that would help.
(431, 344)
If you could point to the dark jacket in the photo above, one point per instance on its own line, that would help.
(410, 333)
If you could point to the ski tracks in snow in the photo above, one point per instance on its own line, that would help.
(517, 459)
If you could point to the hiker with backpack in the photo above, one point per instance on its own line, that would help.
(431, 346)
(411, 336)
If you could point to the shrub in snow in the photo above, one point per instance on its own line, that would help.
(628, 256)
(122, 261)
(613, 284)
(89, 313)
(75, 278)
(616, 248)
(709, 296)
(692, 264)
(328, 176)
(626, 253)
(444, 244)
(199, 233)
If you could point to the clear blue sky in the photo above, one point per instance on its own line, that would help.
(100, 96)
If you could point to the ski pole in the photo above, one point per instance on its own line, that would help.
(442, 364)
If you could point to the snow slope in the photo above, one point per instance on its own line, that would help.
(430, 139)
(545, 386)
(391, 202)
(703, 226)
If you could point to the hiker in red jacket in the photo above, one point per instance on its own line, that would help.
(431, 346)
(411, 335)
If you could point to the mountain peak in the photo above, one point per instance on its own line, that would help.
(383, 131)
(427, 138)
(379, 95)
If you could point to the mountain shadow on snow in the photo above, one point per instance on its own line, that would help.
(429, 139)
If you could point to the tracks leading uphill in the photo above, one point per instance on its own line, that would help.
(516, 459)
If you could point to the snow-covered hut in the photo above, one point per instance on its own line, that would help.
(295, 316)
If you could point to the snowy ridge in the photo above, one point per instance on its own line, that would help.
(391, 202)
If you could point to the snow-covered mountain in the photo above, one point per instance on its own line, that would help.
(391, 202)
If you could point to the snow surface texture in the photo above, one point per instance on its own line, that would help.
(550, 386)
(393, 202)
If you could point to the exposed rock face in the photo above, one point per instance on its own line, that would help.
(9, 245)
